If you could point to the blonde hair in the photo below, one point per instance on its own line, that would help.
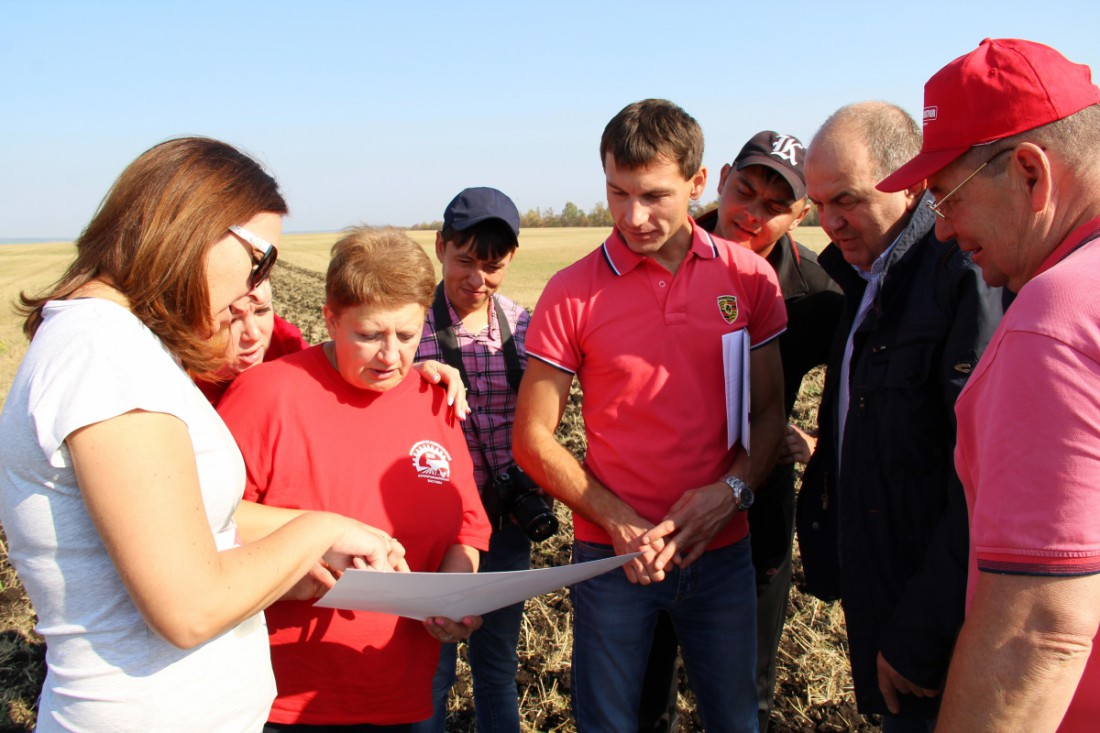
(378, 267)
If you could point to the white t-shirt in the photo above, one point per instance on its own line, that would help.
(92, 360)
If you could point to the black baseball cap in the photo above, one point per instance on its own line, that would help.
(475, 205)
(784, 154)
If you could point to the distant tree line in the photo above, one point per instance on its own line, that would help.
(572, 215)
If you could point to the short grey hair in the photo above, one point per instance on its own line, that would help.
(892, 136)
(1075, 139)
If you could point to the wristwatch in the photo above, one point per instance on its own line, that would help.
(742, 492)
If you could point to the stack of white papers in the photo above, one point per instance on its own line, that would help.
(735, 363)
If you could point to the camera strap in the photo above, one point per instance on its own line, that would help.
(448, 342)
(452, 355)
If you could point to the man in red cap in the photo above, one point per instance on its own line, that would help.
(1012, 155)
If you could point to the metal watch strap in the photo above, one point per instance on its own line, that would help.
(742, 492)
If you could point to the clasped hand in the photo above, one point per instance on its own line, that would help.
(680, 538)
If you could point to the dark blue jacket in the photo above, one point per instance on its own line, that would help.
(892, 542)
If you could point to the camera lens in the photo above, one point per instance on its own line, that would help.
(536, 518)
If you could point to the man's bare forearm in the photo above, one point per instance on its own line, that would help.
(541, 403)
(562, 476)
(769, 422)
(1020, 654)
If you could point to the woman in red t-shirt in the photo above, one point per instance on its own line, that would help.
(347, 427)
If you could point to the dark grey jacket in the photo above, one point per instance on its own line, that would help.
(892, 541)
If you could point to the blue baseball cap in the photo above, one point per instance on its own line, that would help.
(475, 205)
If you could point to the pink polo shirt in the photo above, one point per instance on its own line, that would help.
(1028, 450)
(647, 348)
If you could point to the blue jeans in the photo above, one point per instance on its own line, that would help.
(492, 649)
(712, 604)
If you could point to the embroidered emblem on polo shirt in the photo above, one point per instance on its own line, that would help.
(431, 461)
(727, 306)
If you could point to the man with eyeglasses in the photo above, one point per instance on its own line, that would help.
(881, 515)
(1012, 153)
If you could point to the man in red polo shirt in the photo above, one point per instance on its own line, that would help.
(761, 200)
(1011, 154)
(640, 321)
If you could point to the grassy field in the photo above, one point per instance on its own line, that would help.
(23, 267)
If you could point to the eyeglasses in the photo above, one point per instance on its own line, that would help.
(261, 267)
(936, 206)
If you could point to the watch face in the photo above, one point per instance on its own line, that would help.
(747, 497)
(741, 492)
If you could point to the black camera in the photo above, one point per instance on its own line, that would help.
(513, 495)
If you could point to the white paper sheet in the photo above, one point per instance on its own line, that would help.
(454, 595)
(735, 365)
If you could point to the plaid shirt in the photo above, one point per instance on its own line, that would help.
(488, 428)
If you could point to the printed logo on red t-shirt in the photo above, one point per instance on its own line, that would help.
(431, 461)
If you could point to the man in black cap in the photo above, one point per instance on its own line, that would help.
(762, 198)
(473, 328)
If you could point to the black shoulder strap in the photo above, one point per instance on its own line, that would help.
(445, 335)
(511, 353)
(448, 344)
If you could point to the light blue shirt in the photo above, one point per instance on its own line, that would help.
(874, 282)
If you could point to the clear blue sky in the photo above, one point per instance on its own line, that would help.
(380, 112)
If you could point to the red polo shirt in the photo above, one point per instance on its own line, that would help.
(1028, 454)
(647, 348)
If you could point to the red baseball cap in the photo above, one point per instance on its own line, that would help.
(1004, 87)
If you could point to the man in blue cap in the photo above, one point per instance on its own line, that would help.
(481, 333)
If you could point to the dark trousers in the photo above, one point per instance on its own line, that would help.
(771, 521)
